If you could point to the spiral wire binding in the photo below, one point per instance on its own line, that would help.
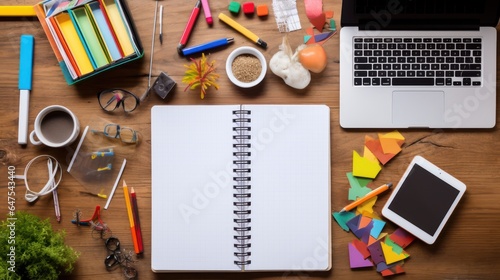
(242, 186)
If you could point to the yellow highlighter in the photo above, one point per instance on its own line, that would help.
(238, 27)
(17, 11)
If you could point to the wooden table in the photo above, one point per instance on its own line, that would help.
(467, 248)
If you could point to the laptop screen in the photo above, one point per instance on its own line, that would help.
(420, 14)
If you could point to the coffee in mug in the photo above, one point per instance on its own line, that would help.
(55, 126)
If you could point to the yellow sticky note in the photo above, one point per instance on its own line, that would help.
(393, 135)
(391, 256)
(364, 167)
(367, 206)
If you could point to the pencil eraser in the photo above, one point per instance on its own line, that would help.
(262, 10)
(234, 7)
(210, 20)
(26, 61)
(248, 8)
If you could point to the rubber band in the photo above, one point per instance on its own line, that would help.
(53, 167)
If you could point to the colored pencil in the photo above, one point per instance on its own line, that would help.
(367, 197)
(137, 221)
(130, 216)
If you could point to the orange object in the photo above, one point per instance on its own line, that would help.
(313, 58)
(367, 197)
(126, 194)
(262, 10)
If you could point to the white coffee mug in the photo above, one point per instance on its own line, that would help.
(55, 126)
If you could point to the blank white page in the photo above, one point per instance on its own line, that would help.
(291, 211)
(191, 193)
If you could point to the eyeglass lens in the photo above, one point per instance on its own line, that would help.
(126, 134)
(112, 99)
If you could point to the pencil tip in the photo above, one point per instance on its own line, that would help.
(124, 183)
(132, 190)
(389, 185)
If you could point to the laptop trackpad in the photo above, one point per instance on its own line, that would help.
(415, 108)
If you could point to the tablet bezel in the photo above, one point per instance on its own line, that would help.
(409, 226)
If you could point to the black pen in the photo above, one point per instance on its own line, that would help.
(207, 46)
(189, 26)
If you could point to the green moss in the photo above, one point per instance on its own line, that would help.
(31, 249)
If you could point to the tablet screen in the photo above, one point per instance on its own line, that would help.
(424, 199)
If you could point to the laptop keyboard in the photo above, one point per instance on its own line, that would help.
(400, 61)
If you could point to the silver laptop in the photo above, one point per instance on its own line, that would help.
(418, 63)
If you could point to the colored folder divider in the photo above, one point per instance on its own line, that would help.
(89, 36)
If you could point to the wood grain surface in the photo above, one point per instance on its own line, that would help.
(467, 249)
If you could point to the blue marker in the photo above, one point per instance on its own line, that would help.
(207, 46)
(25, 77)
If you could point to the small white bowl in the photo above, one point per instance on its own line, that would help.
(242, 51)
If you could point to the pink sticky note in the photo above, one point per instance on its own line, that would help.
(356, 259)
(315, 14)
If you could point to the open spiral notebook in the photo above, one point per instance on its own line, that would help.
(240, 188)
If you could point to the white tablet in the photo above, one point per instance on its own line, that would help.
(423, 200)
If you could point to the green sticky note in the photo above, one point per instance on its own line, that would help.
(342, 218)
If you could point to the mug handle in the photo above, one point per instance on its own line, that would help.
(32, 139)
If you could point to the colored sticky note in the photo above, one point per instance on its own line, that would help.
(355, 193)
(398, 269)
(361, 247)
(389, 145)
(367, 206)
(390, 256)
(315, 14)
(364, 221)
(376, 252)
(395, 135)
(402, 237)
(368, 154)
(353, 223)
(342, 217)
(363, 167)
(363, 233)
(356, 259)
(378, 226)
(395, 247)
(376, 148)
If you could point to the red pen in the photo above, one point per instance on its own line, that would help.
(189, 26)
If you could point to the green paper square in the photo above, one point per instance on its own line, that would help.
(234, 7)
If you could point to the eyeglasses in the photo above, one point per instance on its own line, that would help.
(125, 134)
(111, 99)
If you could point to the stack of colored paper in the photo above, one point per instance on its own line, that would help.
(89, 36)
(373, 247)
